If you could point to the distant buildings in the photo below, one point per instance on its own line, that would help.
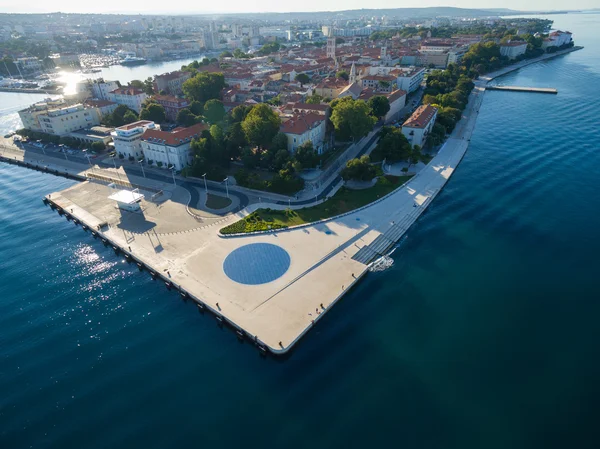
(419, 124)
(557, 39)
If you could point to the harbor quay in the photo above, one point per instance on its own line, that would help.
(270, 287)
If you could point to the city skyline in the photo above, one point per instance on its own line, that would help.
(158, 7)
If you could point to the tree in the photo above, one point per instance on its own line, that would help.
(261, 125)
(98, 146)
(280, 141)
(226, 54)
(186, 118)
(235, 140)
(153, 112)
(117, 117)
(306, 155)
(415, 155)
(352, 119)
(343, 75)
(393, 146)
(379, 105)
(239, 113)
(314, 99)
(130, 117)
(302, 78)
(339, 40)
(137, 84)
(204, 86)
(359, 169)
(196, 108)
(214, 111)
(149, 86)
(282, 157)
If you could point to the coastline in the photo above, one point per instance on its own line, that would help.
(329, 257)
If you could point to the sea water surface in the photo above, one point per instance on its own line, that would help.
(483, 334)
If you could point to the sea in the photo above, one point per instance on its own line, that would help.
(483, 333)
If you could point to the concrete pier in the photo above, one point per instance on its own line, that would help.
(273, 287)
(541, 90)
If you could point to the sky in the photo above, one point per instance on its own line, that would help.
(233, 6)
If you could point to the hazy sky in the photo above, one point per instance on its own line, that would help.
(163, 7)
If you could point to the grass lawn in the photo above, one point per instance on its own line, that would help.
(343, 201)
(217, 202)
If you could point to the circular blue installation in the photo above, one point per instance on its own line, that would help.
(257, 263)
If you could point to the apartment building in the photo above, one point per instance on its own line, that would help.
(170, 149)
(513, 49)
(60, 120)
(301, 128)
(419, 124)
(127, 138)
(172, 105)
(128, 96)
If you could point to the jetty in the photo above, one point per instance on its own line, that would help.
(540, 90)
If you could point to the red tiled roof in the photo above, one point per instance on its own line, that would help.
(174, 75)
(177, 137)
(421, 117)
(395, 95)
(308, 106)
(300, 123)
(127, 91)
(99, 103)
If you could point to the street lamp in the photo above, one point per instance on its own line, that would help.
(226, 188)
(205, 186)
(116, 169)
(173, 173)
(142, 166)
(89, 162)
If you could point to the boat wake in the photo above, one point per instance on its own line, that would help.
(381, 264)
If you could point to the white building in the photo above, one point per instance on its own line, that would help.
(559, 38)
(98, 89)
(409, 79)
(170, 149)
(127, 138)
(419, 124)
(101, 89)
(513, 49)
(129, 96)
(397, 101)
(60, 119)
(301, 128)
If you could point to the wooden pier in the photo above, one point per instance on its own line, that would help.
(540, 90)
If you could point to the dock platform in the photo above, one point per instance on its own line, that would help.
(540, 90)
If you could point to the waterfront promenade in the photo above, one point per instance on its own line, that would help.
(321, 265)
(281, 283)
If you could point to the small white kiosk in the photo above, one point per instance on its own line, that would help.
(128, 199)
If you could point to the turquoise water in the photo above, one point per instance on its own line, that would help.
(483, 334)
